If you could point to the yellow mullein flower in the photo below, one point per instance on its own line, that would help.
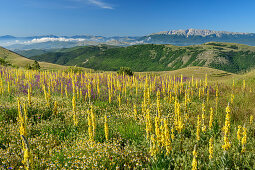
(75, 119)
(135, 111)
(158, 103)
(148, 124)
(27, 159)
(211, 118)
(244, 139)
(251, 119)
(172, 134)
(232, 98)
(207, 96)
(90, 130)
(119, 100)
(194, 161)
(239, 133)
(203, 118)
(157, 130)
(153, 146)
(211, 148)
(167, 138)
(162, 133)
(106, 130)
(226, 129)
(74, 103)
(198, 128)
(55, 109)
(93, 121)
(9, 87)
(206, 84)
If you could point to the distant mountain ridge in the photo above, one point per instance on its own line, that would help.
(198, 36)
(200, 32)
(174, 37)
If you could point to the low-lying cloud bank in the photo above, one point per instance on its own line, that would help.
(47, 39)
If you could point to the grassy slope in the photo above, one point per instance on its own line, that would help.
(19, 61)
(224, 56)
(199, 72)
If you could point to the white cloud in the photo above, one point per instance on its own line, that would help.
(68, 4)
(47, 39)
(100, 4)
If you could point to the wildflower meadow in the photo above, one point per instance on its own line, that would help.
(87, 120)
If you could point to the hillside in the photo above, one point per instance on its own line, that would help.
(19, 61)
(224, 56)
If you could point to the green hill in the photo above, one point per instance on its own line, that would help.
(8, 57)
(224, 56)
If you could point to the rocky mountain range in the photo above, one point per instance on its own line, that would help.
(174, 37)
(200, 32)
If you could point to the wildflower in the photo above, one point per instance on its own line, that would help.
(27, 159)
(157, 130)
(119, 100)
(106, 130)
(172, 134)
(9, 87)
(162, 133)
(206, 84)
(167, 138)
(244, 139)
(211, 148)
(135, 111)
(153, 149)
(211, 118)
(158, 103)
(93, 121)
(194, 161)
(203, 118)
(226, 129)
(148, 124)
(75, 119)
(74, 103)
(239, 133)
(232, 98)
(198, 128)
(55, 109)
(90, 127)
(251, 119)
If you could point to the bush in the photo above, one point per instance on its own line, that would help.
(74, 69)
(126, 71)
(34, 66)
(4, 62)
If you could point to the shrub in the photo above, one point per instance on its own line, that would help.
(74, 69)
(34, 66)
(126, 71)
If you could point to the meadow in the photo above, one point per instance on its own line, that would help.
(84, 120)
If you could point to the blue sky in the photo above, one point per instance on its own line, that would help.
(123, 17)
